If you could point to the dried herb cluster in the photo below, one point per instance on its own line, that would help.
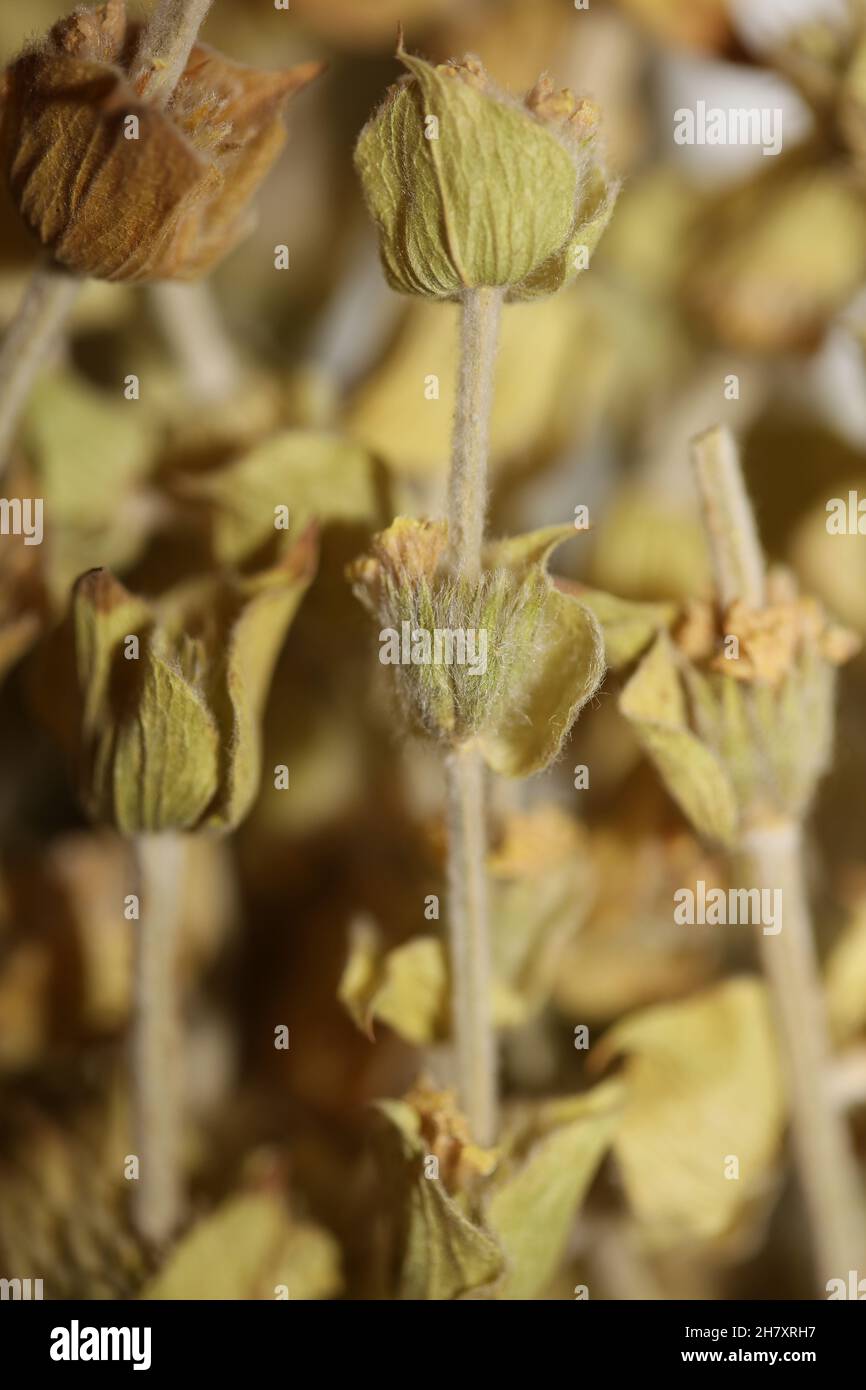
(338, 957)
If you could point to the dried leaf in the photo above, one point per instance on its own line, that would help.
(444, 1255)
(391, 415)
(560, 664)
(246, 1249)
(536, 1192)
(405, 988)
(628, 627)
(541, 885)
(785, 257)
(629, 952)
(268, 604)
(703, 1087)
(318, 477)
(654, 703)
(170, 732)
(89, 457)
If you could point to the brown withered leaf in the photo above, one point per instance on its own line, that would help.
(165, 200)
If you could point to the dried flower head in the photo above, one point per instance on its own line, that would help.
(737, 710)
(475, 1233)
(471, 188)
(114, 186)
(517, 659)
(172, 695)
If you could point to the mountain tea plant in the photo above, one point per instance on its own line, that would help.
(339, 959)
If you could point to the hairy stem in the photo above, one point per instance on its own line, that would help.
(468, 924)
(738, 561)
(190, 320)
(157, 1202)
(165, 47)
(469, 942)
(28, 343)
(773, 858)
(467, 487)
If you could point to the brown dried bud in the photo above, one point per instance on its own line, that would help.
(117, 188)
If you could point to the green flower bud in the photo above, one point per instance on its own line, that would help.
(471, 188)
(509, 660)
(172, 694)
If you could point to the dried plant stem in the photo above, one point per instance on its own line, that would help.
(205, 353)
(165, 47)
(468, 924)
(28, 343)
(469, 942)
(738, 560)
(773, 858)
(467, 487)
(156, 1057)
